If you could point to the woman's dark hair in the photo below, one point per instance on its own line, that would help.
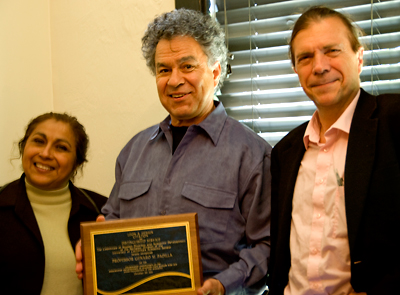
(81, 138)
(318, 13)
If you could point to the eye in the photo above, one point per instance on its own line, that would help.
(333, 51)
(62, 148)
(163, 71)
(38, 140)
(303, 59)
(188, 67)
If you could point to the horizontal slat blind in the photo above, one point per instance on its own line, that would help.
(263, 92)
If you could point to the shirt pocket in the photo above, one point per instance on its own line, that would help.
(131, 198)
(214, 208)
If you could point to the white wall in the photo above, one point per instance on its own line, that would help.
(25, 74)
(97, 74)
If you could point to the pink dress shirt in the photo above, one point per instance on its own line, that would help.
(320, 255)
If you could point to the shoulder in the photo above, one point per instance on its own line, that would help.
(384, 97)
(139, 140)
(88, 197)
(10, 186)
(387, 102)
(292, 138)
(10, 191)
(98, 198)
(384, 107)
(243, 135)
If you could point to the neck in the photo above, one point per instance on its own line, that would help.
(326, 121)
(197, 120)
(329, 115)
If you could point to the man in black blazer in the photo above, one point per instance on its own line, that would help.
(336, 179)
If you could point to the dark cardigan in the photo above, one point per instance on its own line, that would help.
(21, 247)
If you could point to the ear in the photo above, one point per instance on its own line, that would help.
(216, 73)
(360, 58)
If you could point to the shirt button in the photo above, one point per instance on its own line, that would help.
(317, 286)
(321, 180)
(318, 216)
(314, 251)
(325, 150)
(163, 212)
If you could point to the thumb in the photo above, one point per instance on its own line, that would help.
(100, 218)
(203, 291)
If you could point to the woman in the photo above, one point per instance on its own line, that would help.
(40, 213)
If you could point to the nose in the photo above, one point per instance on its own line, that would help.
(320, 63)
(46, 152)
(176, 78)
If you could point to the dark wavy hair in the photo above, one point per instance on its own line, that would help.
(185, 22)
(81, 138)
(318, 13)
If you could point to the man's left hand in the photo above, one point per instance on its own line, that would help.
(211, 287)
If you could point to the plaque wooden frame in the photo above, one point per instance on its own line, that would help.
(137, 226)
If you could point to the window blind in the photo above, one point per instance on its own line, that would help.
(262, 91)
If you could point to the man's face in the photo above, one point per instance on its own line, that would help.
(327, 67)
(185, 82)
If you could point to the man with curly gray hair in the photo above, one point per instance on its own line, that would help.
(198, 159)
(184, 22)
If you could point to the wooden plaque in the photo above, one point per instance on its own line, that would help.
(142, 256)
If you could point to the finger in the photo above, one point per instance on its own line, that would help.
(202, 291)
(208, 288)
(78, 251)
(78, 258)
(100, 218)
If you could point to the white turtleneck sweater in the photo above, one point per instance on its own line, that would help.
(52, 210)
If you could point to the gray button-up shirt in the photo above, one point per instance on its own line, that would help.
(221, 170)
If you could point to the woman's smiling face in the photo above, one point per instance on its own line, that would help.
(49, 155)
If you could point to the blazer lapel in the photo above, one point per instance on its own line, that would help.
(359, 162)
(286, 159)
(291, 158)
(24, 211)
(294, 155)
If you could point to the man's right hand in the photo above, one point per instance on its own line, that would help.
(78, 252)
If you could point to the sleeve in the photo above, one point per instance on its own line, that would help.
(252, 266)
(111, 209)
(275, 172)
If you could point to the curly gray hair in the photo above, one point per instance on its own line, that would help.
(184, 22)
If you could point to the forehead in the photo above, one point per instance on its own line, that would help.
(56, 129)
(177, 49)
(323, 32)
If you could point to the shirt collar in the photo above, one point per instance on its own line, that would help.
(212, 125)
(343, 123)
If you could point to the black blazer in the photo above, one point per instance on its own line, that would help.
(21, 246)
(372, 197)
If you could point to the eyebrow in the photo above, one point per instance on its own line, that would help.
(182, 60)
(57, 140)
(303, 54)
(329, 46)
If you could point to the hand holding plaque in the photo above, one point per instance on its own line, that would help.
(153, 255)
